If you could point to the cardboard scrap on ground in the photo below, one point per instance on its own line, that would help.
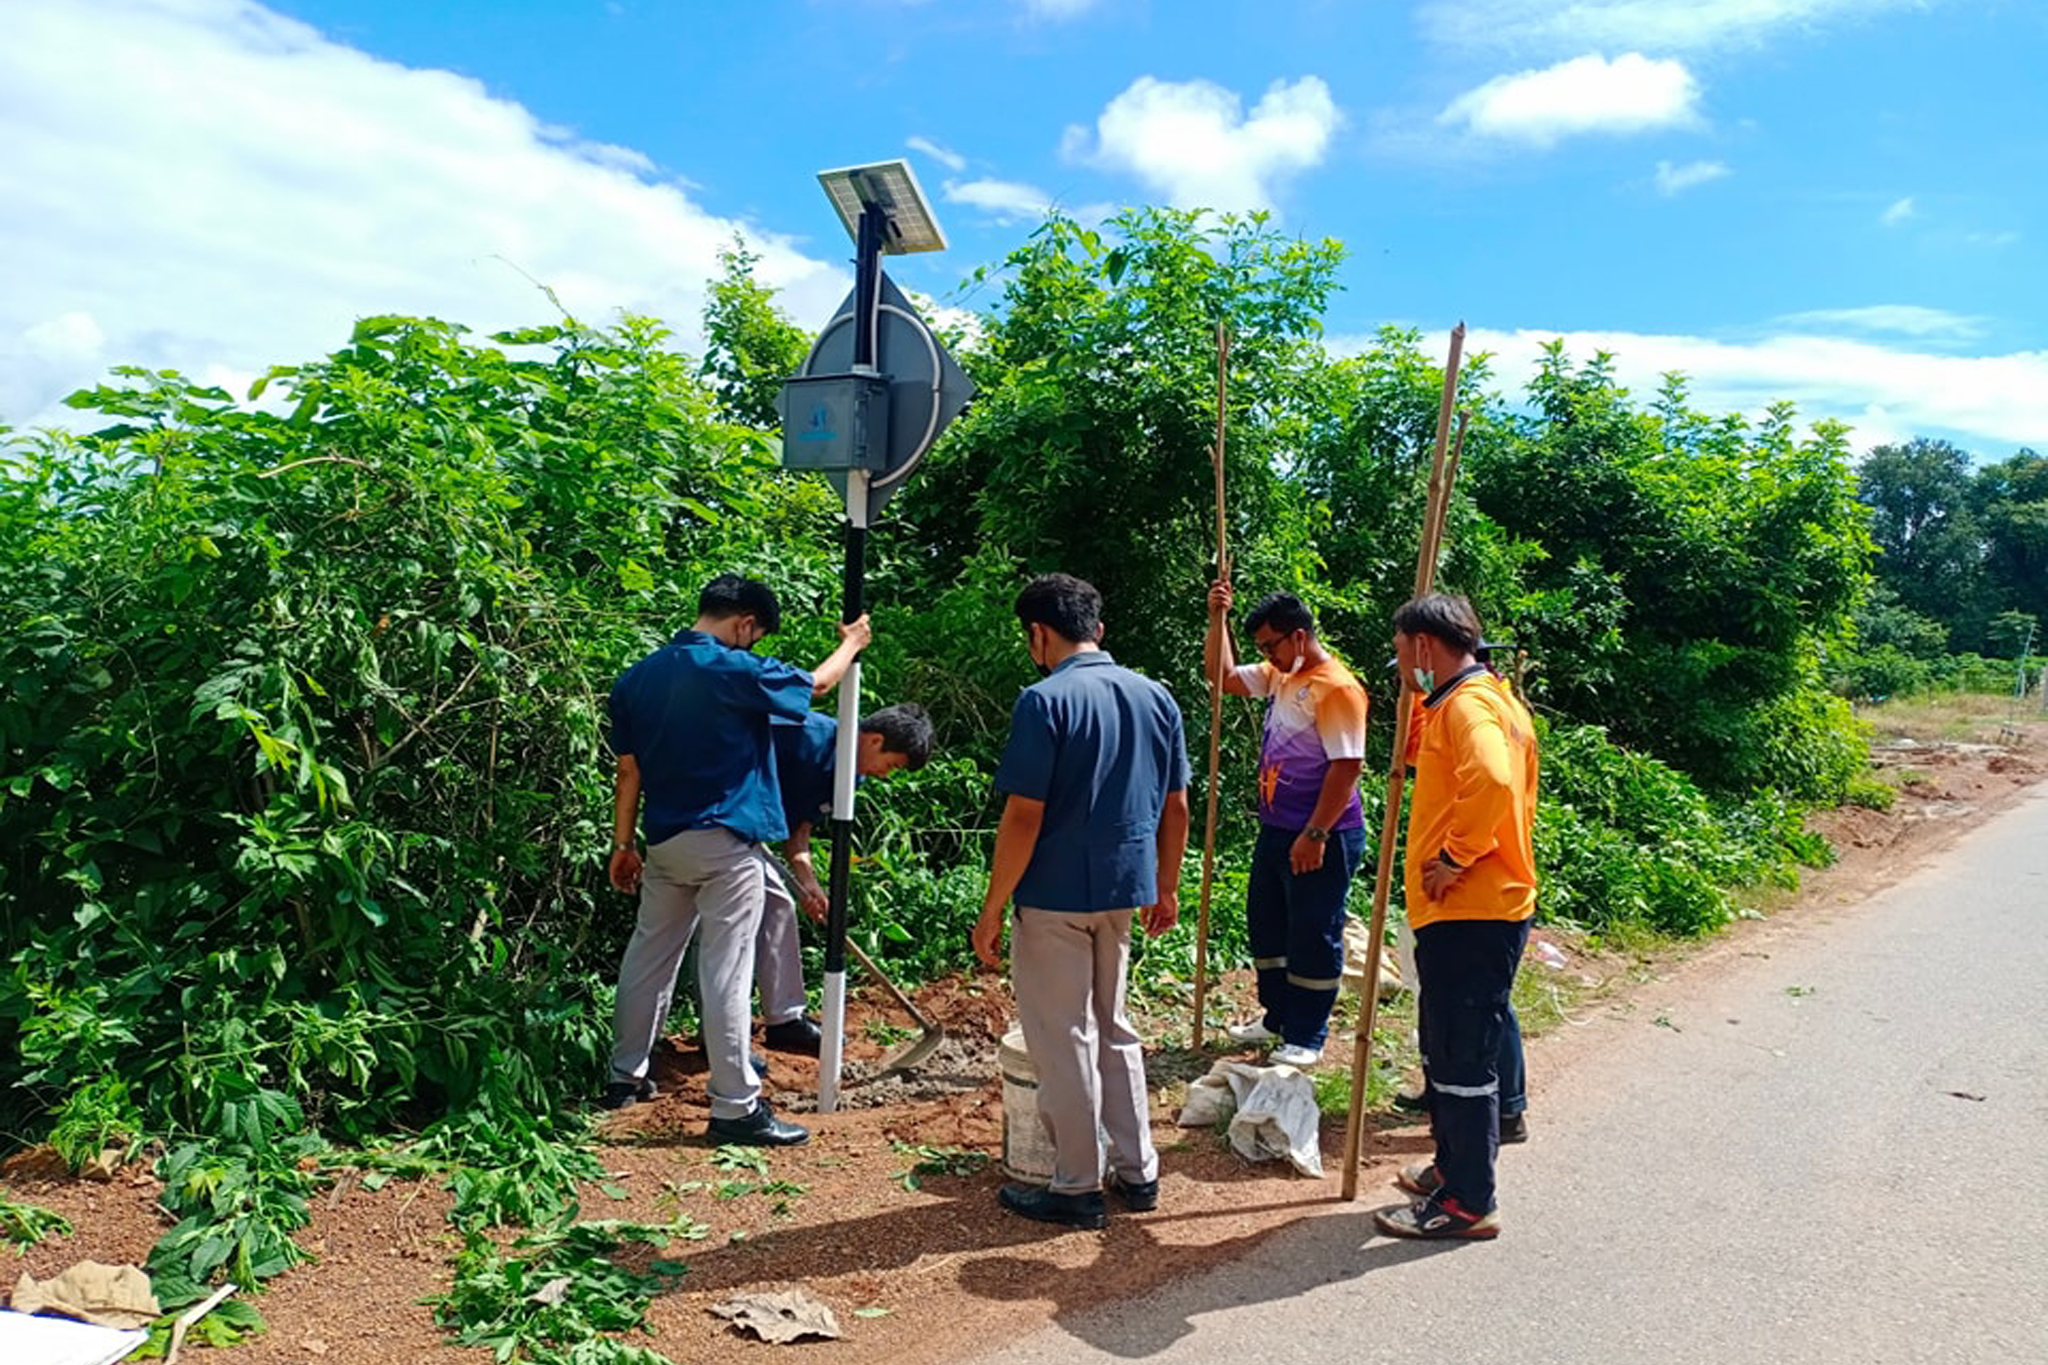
(27, 1340)
(105, 1295)
(780, 1318)
(1272, 1109)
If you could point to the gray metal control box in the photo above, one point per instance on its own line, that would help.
(835, 421)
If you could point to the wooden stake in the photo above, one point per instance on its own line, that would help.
(1442, 470)
(1217, 624)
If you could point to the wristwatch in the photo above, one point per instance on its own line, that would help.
(1447, 860)
(1316, 833)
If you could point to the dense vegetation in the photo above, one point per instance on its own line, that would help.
(1962, 571)
(303, 780)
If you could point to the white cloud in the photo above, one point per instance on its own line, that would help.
(1192, 141)
(1006, 201)
(2005, 238)
(1884, 392)
(1013, 201)
(1899, 319)
(1649, 25)
(1588, 94)
(210, 186)
(1678, 179)
(945, 156)
(1899, 212)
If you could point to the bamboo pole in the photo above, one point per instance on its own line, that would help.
(1218, 625)
(1441, 470)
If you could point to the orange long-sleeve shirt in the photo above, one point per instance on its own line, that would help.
(1475, 798)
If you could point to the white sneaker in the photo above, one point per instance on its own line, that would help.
(1287, 1054)
(1250, 1031)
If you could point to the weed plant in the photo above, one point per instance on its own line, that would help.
(23, 1225)
(558, 1297)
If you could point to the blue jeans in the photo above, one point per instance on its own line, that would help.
(1467, 967)
(1296, 928)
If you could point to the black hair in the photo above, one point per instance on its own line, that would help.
(1284, 612)
(1064, 604)
(905, 729)
(1447, 618)
(730, 595)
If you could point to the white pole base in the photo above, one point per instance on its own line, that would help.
(832, 1045)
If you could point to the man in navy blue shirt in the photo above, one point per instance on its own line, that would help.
(806, 756)
(1093, 829)
(690, 725)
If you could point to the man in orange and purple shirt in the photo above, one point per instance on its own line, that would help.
(1311, 826)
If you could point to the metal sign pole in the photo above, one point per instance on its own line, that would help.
(832, 1027)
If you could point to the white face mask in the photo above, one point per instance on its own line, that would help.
(1425, 678)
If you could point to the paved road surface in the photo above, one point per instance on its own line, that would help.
(1786, 1175)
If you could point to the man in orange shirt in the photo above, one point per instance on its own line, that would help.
(1470, 887)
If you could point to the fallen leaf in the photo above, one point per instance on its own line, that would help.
(551, 1292)
(1966, 1095)
(314, 1346)
(780, 1318)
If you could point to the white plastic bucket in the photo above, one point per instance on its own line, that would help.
(1027, 1147)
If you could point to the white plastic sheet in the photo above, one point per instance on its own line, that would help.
(1273, 1113)
(31, 1340)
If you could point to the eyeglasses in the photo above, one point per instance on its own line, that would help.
(1271, 647)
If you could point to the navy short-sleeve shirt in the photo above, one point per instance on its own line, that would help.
(806, 756)
(1102, 747)
(695, 715)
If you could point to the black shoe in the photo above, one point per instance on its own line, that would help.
(1045, 1206)
(1412, 1104)
(1514, 1128)
(1139, 1196)
(626, 1094)
(760, 1128)
(799, 1035)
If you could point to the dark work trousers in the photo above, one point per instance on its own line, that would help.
(1296, 928)
(1467, 967)
(1514, 1071)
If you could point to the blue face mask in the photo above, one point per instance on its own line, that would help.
(1425, 678)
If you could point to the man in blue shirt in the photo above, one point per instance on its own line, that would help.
(1093, 830)
(806, 756)
(690, 725)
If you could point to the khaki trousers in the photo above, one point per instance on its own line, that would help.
(1069, 974)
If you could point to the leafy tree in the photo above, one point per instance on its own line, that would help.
(2011, 502)
(305, 768)
(1928, 541)
(1092, 454)
(750, 345)
(1682, 592)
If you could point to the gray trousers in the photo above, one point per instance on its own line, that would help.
(705, 876)
(1068, 970)
(778, 954)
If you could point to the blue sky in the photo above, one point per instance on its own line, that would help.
(1834, 201)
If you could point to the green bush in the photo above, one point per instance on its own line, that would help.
(1622, 839)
